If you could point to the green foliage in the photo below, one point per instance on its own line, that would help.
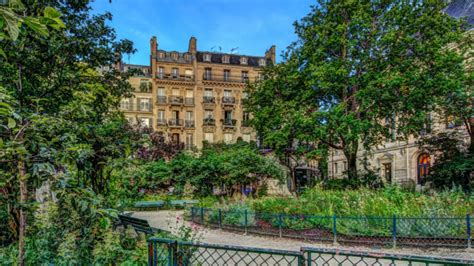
(356, 66)
(218, 166)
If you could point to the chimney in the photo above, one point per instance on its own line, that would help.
(270, 54)
(192, 45)
(153, 45)
(153, 50)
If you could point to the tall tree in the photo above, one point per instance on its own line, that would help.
(59, 118)
(368, 70)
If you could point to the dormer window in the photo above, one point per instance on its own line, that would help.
(161, 55)
(262, 62)
(187, 57)
(243, 60)
(207, 57)
(225, 59)
(174, 55)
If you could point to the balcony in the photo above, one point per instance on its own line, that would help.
(175, 122)
(229, 123)
(224, 78)
(228, 100)
(161, 99)
(189, 123)
(209, 122)
(208, 99)
(175, 100)
(189, 101)
(161, 122)
(136, 108)
(177, 77)
(245, 123)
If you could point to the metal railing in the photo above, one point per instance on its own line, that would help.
(209, 121)
(228, 100)
(179, 77)
(171, 252)
(453, 232)
(208, 99)
(161, 99)
(189, 123)
(161, 122)
(224, 78)
(175, 122)
(229, 122)
(189, 101)
(175, 100)
(136, 108)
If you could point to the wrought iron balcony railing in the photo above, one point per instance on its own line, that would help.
(245, 123)
(208, 99)
(161, 99)
(136, 108)
(161, 122)
(209, 121)
(189, 123)
(225, 78)
(175, 100)
(163, 76)
(228, 100)
(229, 122)
(175, 122)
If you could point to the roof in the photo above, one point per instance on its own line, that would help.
(462, 8)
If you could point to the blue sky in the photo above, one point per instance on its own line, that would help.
(251, 25)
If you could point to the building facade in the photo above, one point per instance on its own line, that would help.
(194, 96)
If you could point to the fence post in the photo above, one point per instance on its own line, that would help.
(334, 229)
(280, 222)
(202, 216)
(220, 219)
(394, 231)
(245, 216)
(468, 223)
(151, 254)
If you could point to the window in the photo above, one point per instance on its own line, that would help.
(125, 104)
(345, 166)
(187, 57)
(335, 168)
(174, 56)
(175, 72)
(161, 92)
(145, 86)
(228, 138)
(246, 137)
(227, 93)
(189, 141)
(245, 76)
(260, 77)
(145, 121)
(246, 116)
(208, 114)
(161, 117)
(227, 115)
(390, 125)
(209, 137)
(189, 116)
(161, 55)
(244, 95)
(207, 73)
(189, 74)
(226, 75)
(189, 97)
(208, 93)
(225, 59)
(262, 62)
(427, 125)
(175, 92)
(243, 60)
(207, 57)
(387, 172)
(423, 166)
(161, 72)
(144, 104)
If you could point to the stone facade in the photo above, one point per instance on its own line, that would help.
(195, 95)
(397, 161)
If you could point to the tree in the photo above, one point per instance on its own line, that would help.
(58, 115)
(361, 72)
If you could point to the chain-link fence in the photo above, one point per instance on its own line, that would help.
(375, 231)
(171, 252)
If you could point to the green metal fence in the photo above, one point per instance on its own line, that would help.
(452, 232)
(174, 253)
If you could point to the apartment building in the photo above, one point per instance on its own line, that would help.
(194, 96)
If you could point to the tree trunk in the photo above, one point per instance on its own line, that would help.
(471, 133)
(351, 165)
(23, 198)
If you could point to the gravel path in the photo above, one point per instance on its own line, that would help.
(170, 220)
